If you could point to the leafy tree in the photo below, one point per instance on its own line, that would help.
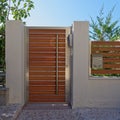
(16, 9)
(104, 28)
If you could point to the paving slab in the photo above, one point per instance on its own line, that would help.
(10, 112)
(64, 112)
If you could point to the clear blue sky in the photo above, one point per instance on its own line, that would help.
(64, 12)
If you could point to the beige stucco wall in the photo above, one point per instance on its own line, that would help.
(90, 91)
(103, 92)
(15, 74)
(80, 63)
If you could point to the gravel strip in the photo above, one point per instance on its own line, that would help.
(9, 112)
(71, 114)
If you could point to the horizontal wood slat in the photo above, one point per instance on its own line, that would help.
(62, 92)
(46, 73)
(42, 49)
(48, 96)
(105, 71)
(46, 45)
(110, 54)
(46, 82)
(44, 88)
(111, 66)
(46, 39)
(42, 65)
(43, 68)
(111, 60)
(46, 54)
(46, 78)
(45, 34)
(107, 43)
(105, 49)
(46, 59)
(46, 64)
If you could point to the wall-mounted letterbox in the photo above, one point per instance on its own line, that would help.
(97, 61)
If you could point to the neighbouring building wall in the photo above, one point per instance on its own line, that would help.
(90, 91)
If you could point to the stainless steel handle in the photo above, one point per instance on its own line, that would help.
(56, 64)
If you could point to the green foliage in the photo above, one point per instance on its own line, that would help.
(18, 10)
(2, 46)
(107, 75)
(104, 28)
(21, 9)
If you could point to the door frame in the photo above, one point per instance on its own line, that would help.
(67, 61)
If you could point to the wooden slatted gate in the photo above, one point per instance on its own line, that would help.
(47, 65)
